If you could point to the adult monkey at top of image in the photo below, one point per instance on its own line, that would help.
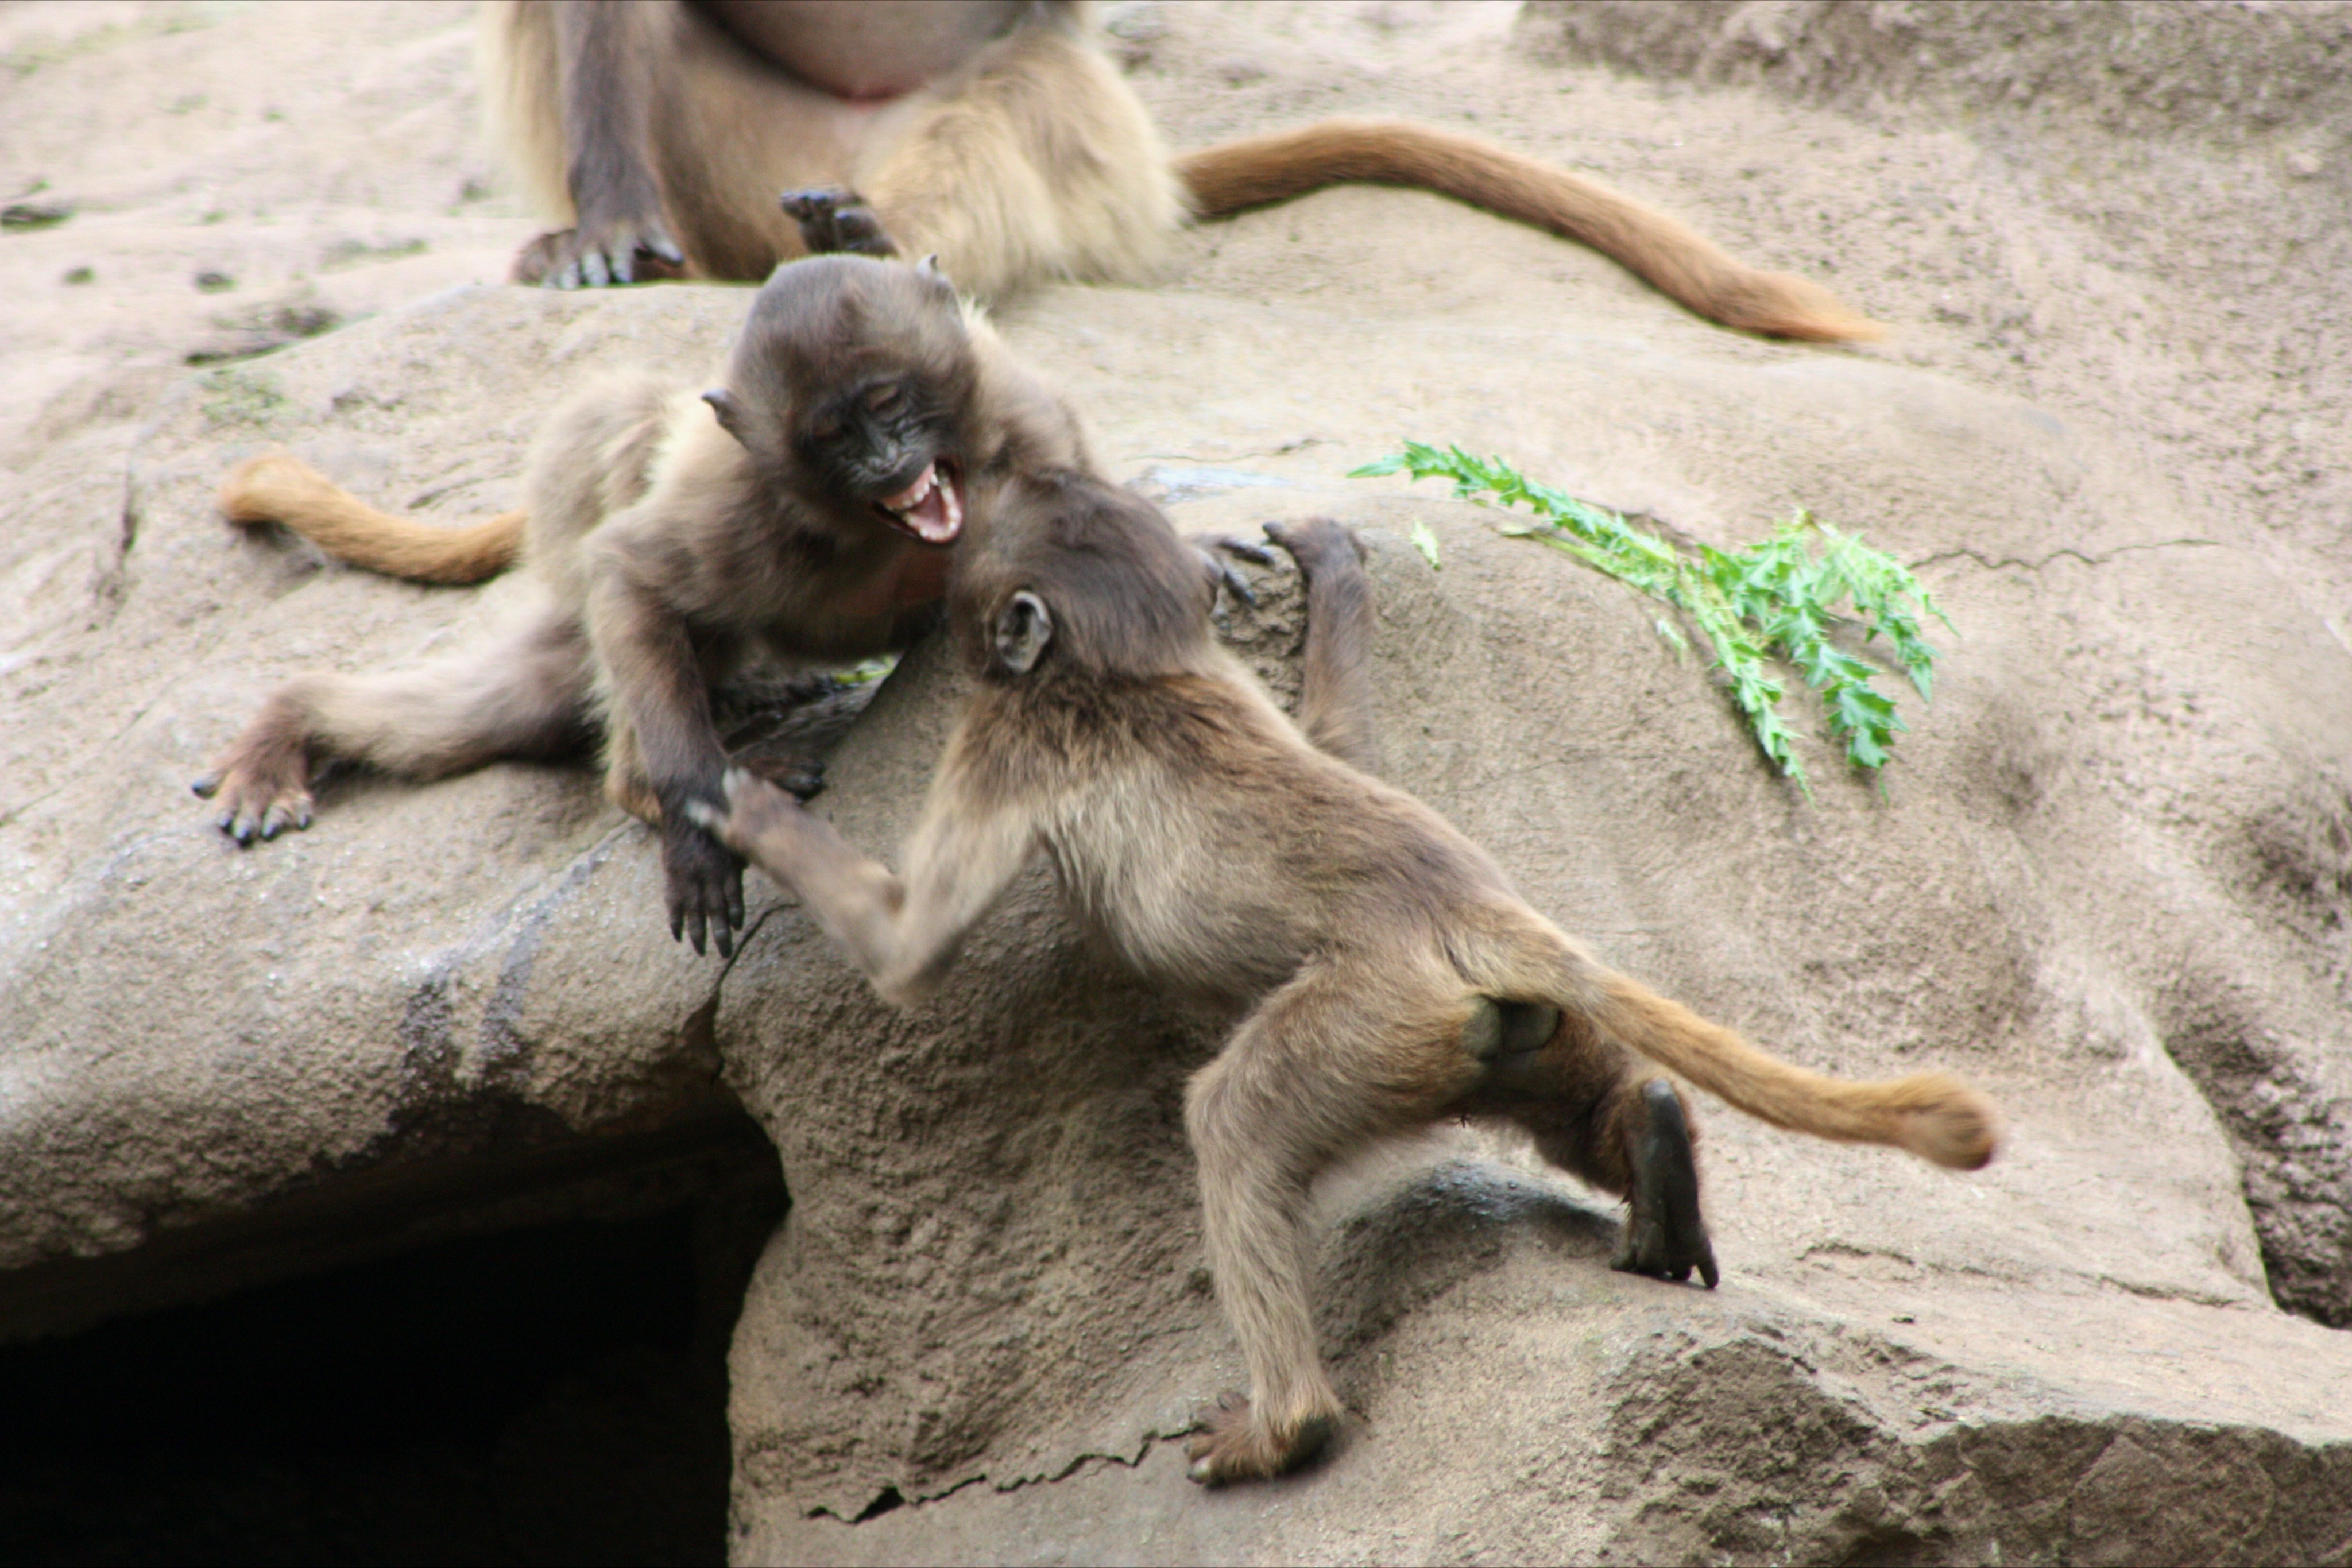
(806, 508)
(1375, 968)
(995, 134)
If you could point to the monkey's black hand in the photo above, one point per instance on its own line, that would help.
(1222, 573)
(834, 220)
(803, 778)
(1664, 1236)
(703, 882)
(1314, 541)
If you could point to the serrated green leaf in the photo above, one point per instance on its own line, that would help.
(1775, 600)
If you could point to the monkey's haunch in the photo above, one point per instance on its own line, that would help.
(1676, 259)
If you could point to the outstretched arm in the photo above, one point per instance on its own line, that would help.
(1335, 703)
(904, 933)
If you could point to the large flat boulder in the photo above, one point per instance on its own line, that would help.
(2108, 876)
(990, 1286)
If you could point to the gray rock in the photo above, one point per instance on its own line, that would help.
(2108, 878)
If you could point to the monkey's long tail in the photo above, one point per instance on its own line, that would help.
(1676, 259)
(1933, 1114)
(277, 489)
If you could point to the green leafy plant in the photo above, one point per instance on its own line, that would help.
(1776, 599)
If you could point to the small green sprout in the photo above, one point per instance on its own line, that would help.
(1424, 539)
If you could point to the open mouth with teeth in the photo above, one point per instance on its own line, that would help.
(931, 508)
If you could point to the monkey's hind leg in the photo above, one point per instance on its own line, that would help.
(1337, 1058)
(1665, 1236)
(525, 695)
(1593, 1112)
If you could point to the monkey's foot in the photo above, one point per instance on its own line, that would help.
(1231, 1445)
(262, 791)
(1316, 541)
(703, 883)
(834, 220)
(612, 253)
(802, 778)
(1664, 1236)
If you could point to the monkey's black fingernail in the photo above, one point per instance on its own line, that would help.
(724, 937)
(302, 818)
(206, 787)
(677, 926)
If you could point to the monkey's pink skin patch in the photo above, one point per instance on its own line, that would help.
(1232, 1446)
(931, 508)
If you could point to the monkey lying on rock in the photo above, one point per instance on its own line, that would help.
(1376, 969)
(805, 508)
(995, 133)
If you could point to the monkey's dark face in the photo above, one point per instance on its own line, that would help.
(889, 443)
(854, 386)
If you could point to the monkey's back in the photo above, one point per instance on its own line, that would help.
(1218, 851)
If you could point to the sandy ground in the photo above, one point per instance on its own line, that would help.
(240, 173)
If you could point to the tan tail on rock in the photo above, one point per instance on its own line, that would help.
(278, 489)
(1676, 259)
(1933, 1114)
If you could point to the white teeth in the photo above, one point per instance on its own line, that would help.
(913, 494)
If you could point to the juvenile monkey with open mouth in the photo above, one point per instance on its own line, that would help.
(805, 508)
(1374, 968)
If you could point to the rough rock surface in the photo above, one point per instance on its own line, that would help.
(2109, 876)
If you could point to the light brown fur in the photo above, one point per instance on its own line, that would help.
(1375, 968)
(1009, 146)
(666, 537)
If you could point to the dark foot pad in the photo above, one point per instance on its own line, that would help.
(834, 220)
(1664, 1236)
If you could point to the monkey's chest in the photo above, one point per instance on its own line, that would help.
(915, 576)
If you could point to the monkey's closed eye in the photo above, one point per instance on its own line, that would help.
(885, 398)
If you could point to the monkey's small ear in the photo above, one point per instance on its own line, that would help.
(730, 412)
(1024, 627)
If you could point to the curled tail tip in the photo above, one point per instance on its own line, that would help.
(254, 491)
(1951, 1123)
